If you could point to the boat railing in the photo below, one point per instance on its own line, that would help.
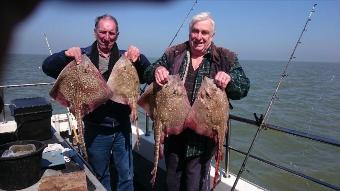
(305, 135)
(255, 123)
(228, 147)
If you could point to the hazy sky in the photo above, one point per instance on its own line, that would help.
(261, 30)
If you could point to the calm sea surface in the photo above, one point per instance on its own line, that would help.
(308, 101)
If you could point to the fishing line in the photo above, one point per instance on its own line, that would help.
(274, 96)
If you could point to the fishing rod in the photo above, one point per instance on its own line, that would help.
(180, 27)
(70, 117)
(69, 114)
(176, 34)
(48, 44)
(274, 96)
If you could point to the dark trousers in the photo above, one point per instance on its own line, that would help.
(185, 173)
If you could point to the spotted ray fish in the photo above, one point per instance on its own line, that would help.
(81, 88)
(124, 83)
(208, 116)
(168, 107)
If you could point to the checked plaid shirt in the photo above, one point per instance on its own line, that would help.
(176, 59)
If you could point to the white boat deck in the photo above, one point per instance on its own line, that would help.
(8, 127)
(61, 123)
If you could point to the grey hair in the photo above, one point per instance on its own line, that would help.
(106, 16)
(202, 17)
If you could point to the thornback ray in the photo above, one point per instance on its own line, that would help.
(168, 107)
(124, 84)
(208, 116)
(81, 88)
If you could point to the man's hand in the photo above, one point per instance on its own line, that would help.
(222, 79)
(74, 52)
(161, 75)
(132, 53)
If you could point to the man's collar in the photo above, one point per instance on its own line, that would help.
(103, 54)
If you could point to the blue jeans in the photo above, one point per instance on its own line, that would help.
(110, 141)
